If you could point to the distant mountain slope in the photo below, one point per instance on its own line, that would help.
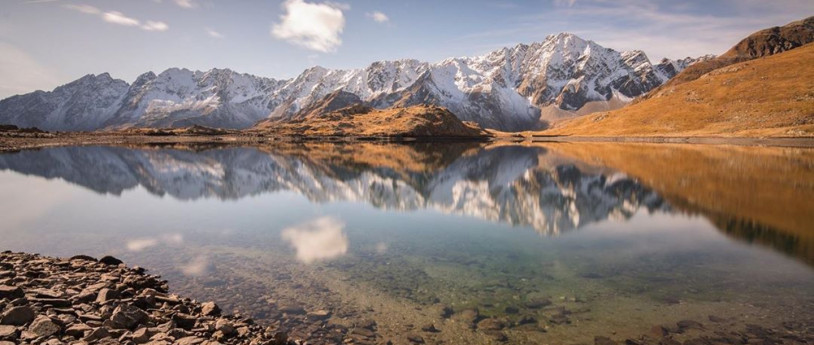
(359, 120)
(517, 88)
(770, 96)
(759, 44)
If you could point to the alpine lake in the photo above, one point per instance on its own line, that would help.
(446, 243)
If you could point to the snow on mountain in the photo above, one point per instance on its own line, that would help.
(517, 88)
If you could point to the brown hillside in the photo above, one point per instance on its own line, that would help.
(362, 121)
(770, 96)
(759, 44)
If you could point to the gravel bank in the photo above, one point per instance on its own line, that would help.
(82, 300)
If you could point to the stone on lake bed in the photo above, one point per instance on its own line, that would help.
(319, 314)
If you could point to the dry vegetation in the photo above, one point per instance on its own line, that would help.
(771, 96)
(362, 121)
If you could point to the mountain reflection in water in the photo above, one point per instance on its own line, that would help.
(756, 194)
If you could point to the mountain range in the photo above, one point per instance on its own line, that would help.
(515, 88)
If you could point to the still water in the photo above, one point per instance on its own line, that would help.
(446, 243)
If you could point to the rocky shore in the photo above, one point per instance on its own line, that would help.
(82, 300)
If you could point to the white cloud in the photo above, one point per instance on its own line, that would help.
(87, 9)
(214, 34)
(155, 26)
(320, 239)
(568, 3)
(186, 3)
(378, 17)
(313, 26)
(119, 18)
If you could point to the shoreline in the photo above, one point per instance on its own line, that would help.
(10, 142)
(82, 300)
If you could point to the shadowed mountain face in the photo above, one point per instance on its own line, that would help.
(553, 188)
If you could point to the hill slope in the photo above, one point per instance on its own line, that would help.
(770, 96)
(759, 44)
(363, 121)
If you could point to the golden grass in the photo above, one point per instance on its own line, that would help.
(767, 97)
(413, 121)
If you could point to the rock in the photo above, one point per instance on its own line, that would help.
(7, 343)
(18, 316)
(430, 328)
(106, 295)
(7, 331)
(82, 257)
(511, 310)
(78, 330)
(599, 340)
(210, 309)
(11, 292)
(658, 331)
(319, 314)
(111, 261)
(54, 302)
(669, 341)
(497, 335)
(97, 334)
(538, 303)
(689, 324)
(127, 316)
(491, 324)
(184, 321)
(292, 310)
(446, 312)
(468, 316)
(43, 326)
(141, 335)
(225, 327)
(415, 339)
(716, 319)
(191, 340)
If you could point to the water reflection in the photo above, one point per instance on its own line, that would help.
(759, 195)
(399, 232)
(506, 184)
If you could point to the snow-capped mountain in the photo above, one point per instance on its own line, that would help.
(517, 88)
(507, 184)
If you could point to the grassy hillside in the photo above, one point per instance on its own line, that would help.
(771, 96)
(363, 121)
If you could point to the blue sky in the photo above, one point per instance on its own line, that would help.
(46, 43)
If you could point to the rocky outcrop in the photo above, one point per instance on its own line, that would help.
(80, 300)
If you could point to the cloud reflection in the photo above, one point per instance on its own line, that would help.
(317, 240)
(139, 244)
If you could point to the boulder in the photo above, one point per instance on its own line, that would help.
(18, 316)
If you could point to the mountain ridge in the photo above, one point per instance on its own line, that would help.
(504, 89)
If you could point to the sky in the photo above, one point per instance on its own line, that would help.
(47, 43)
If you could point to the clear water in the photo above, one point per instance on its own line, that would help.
(619, 238)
